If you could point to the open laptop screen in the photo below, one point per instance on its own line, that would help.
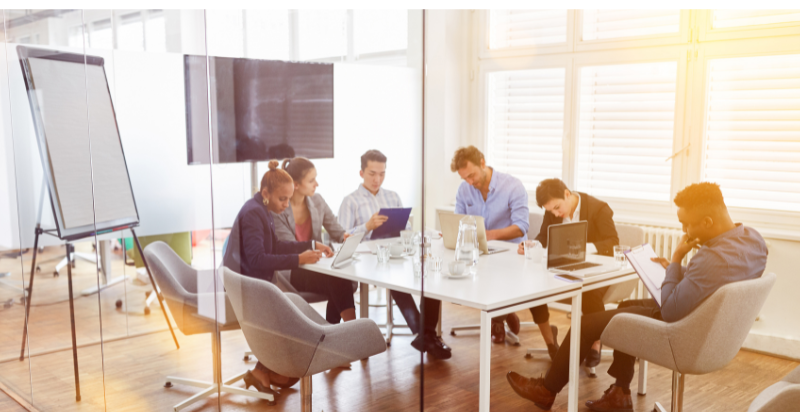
(566, 244)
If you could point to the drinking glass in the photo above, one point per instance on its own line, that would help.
(408, 240)
(416, 263)
(434, 264)
(383, 253)
(533, 250)
(619, 255)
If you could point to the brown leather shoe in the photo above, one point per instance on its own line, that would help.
(532, 389)
(498, 332)
(614, 400)
(512, 320)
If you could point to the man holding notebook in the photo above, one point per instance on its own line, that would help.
(728, 252)
(359, 214)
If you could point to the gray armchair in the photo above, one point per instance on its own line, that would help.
(783, 396)
(703, 342)
(289, 337)
(177, 284)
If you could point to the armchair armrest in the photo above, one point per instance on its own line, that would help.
(640, 336)
(347, 342)
(793, 376)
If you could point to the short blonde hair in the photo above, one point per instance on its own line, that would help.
(466, 154)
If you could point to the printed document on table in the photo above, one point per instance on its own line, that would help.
(651, 273)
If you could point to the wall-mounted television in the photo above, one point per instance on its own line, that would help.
(260, 109)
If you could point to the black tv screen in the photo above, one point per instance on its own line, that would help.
(260, 109)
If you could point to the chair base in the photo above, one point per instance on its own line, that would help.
(511, 338)
(591, 371)
(210, 388)
(659, 408)
(306, 390)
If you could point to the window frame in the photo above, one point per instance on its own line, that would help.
(706, 32)
(486, 53)
(682, 36)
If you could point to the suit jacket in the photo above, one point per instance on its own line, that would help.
(253, 248)
(321, 216)
(602, 230)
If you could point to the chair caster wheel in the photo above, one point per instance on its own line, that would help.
(146, 311)
(246, 358)
(168, 384)
(452, 333)
(388, 344)
(118, 303)
(38, 269)
(593, 376)
(528, 356)
(147, 294)
(271, 403)
(55, 274)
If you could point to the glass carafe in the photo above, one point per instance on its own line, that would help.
(467, 248)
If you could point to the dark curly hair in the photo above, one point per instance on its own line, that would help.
(700, 196)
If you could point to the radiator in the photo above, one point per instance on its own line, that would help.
(664, 241)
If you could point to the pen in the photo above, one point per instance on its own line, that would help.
(313, 245)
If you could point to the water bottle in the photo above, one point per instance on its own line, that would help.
(467, 248)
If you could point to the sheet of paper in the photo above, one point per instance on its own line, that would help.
(651, 273)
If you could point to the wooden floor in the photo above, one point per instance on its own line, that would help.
(127, 374)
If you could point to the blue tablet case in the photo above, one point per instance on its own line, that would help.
(392, 227)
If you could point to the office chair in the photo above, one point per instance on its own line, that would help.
(177, 282)
(289, 337)
(783, 396)
(704, 341)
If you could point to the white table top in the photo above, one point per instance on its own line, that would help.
(502, 279)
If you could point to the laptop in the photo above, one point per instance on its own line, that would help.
(345, 255)
(449, 224)
(566, 251)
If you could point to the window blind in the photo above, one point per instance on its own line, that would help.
(611, 24)
(524, 28)
(626, 129)
(738, 18)
(526, 123)
(752, 136)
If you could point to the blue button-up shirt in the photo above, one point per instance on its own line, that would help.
(738, 254)
(505, 205)
(358, 207)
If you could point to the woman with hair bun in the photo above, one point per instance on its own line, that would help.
(308, 212)
(255, 250)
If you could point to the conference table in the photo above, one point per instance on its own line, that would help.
(502, 283)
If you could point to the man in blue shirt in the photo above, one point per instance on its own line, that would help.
(728, 252)
(501, 200)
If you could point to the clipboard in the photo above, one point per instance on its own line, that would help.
(651, 273)
(398, 218)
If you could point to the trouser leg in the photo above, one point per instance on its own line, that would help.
(339, 291)
(431, 315)
(409, 310)
(592, 327)
(541, 314)
(592, 301)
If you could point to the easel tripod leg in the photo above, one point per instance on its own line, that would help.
(30, 293)
(156, 290)
(72, 322)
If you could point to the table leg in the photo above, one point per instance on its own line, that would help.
(485, 361)
(642, 377)
(364, 301)
(574, 353)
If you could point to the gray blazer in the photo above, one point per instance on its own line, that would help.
(321, 216)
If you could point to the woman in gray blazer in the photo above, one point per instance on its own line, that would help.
(307, 213)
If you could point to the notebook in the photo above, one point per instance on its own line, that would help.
(651, 273)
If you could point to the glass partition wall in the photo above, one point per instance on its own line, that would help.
(151, 130)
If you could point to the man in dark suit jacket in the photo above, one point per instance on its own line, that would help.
(563, 206)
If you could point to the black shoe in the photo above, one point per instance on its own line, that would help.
(552, 350)
(593, 359)
(433, 345)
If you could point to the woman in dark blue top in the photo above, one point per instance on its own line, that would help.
(254, 250)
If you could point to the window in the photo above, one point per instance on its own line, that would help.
(738, 18)
(155, 31)
(130, 35)
(752, 135)
(100, 37)
(322, 34)
(612, 24)
(74, 37)
(267, 34)
(526, 28)
(380, 30)
(526, 123)
(625, 130)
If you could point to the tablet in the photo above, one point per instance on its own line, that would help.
(398, 218)
(347, 250)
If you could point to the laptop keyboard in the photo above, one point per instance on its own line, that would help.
(579, 266)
